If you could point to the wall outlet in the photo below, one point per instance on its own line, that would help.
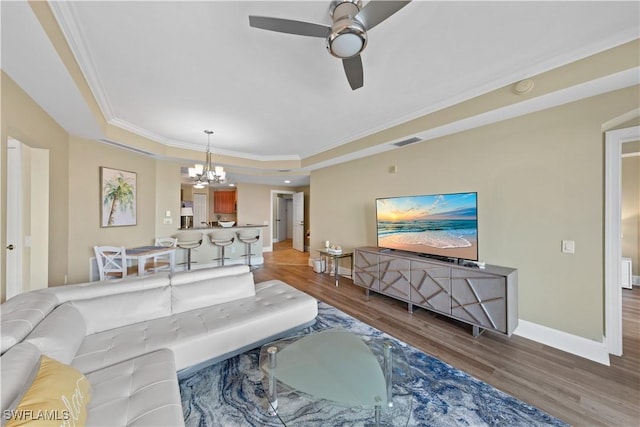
(568, 246)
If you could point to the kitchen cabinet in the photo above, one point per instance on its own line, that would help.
(224, 201)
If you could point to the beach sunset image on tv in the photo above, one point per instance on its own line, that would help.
(441, 224)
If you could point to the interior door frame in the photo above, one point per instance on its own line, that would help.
(612, 234)
(274, 194)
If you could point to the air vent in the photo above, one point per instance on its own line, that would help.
(407, 142)
(126, 147)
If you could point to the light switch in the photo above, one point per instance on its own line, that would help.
(167, 213)
(168, 221)
(568, 246)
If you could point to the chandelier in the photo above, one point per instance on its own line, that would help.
(206, 174)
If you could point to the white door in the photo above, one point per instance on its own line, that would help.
(27, 250)
(14, 219)
(199, 209)
(298, 221)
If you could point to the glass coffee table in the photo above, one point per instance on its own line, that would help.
(335, 375)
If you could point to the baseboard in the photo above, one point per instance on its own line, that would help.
(592, 350)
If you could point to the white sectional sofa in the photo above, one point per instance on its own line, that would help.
(130, 337)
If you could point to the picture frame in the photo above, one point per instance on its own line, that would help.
(118, 197)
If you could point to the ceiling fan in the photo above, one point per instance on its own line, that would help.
(347, 37)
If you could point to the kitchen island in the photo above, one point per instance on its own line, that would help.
(204, 255)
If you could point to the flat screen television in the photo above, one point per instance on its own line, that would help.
(440, 225)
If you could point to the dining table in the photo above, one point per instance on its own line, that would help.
(142, 254)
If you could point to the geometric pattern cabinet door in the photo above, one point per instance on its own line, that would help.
(480, 299)
(431, 286)
(365, 269)
(394, 277)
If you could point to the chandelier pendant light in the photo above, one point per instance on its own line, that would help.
(207, 174)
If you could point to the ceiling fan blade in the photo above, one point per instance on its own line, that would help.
(377, 11)
(289, 26)
(353, 70)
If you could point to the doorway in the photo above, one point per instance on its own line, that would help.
(283, 220)
(281, 217)
(613, 229)
(287, 220)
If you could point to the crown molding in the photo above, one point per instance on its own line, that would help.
(64, 14)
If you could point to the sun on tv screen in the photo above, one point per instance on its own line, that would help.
(444, 225)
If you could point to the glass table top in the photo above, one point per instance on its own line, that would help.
(336, 376)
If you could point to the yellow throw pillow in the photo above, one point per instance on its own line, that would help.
(58, 396)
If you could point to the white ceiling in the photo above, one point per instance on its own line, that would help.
(169, 70)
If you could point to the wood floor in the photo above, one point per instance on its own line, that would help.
(576, 390)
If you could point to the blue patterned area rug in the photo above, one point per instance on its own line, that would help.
(230, 393)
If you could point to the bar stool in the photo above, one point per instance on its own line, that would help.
(222, 239)
(189, 240)
(249, 236)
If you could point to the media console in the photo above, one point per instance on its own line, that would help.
(486, 298)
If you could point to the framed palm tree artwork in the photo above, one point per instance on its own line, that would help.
(117, 197)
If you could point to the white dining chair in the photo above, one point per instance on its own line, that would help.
(161, 262)
(112, 262)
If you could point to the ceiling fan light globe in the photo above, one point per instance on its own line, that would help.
(348, 38)
(346, 45)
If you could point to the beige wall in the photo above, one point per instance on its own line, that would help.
(25, 121)
(167, 197)
(539, 180)
(85, 159)
(631, 205)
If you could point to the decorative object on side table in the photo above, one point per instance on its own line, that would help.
(334, 250)
(117, 197)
